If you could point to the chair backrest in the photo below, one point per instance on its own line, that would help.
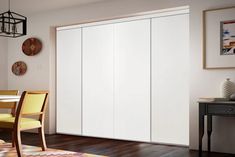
(8, 105)
(32, 103)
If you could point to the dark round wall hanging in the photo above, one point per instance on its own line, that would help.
(19, 68)
(31, 46)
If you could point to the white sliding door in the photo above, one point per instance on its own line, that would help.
(132, 80)
(69, 81)
(125, 79)
(170, 79)
(98, 81)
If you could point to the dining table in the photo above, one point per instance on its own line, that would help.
(9, 98)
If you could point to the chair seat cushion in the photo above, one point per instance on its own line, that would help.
(25, 123)
(5, 115)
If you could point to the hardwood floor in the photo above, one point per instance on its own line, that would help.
(112, 148)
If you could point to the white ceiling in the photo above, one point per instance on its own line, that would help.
(33, 6)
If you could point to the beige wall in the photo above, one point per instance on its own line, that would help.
(41, 68)
(3, 63)
(206, 83)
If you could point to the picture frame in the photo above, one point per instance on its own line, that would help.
(219, 38)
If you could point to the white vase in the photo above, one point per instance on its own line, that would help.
(227, 88)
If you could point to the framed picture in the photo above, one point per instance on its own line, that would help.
(228, 37)
(219, 38)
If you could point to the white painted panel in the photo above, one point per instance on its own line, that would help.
(69, 81)
(132, 80)
(170, 79)
(98, 81)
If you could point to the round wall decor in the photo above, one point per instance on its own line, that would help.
(31, 46)
(19, 68)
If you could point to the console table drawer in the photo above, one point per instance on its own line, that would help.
(221, 109)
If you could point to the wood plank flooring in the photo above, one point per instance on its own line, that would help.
(112, 148)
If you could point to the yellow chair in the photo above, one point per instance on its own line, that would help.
(8, 105)
(32, 103)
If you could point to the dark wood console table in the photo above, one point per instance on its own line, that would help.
(209, 109)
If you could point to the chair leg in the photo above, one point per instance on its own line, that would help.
(13, 139)
(18, 143)
(42, 136)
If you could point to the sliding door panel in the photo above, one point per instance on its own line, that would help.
(69, 81)
(170, 82)
(132, 80)
(98, 81)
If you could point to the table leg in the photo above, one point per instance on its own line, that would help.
(209, 131)
(201, 126)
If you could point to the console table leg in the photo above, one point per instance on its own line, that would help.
(209, 131)
(201, 127)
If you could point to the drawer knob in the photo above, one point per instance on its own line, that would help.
(230, 110)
